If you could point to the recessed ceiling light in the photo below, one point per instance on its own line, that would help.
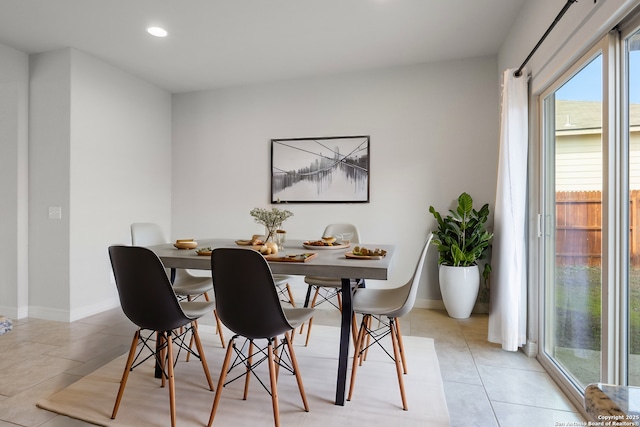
(157, 31)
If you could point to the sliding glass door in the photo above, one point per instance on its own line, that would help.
(591, 205)
(573, 240)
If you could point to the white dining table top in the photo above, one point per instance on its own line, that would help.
(328, 262)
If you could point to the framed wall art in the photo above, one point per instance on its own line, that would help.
(320, 170)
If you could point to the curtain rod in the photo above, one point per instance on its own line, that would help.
(566, 7)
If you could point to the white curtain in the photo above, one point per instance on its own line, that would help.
(508, 302)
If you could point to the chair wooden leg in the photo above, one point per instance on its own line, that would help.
(172, 387)
(182, 330)
(203, 359)
(219, 327)
(125, 374)
(293, 304)
(277, 356)
(366, 346)
(221, 379)
(356, 355)
(306, 303)
(396, 353)
(194, 325)
(354, 327)
(248, 374)
(296, 371)
(162, 357)
(274, 385)
(313, 303)
(306, 341)
(401, 347)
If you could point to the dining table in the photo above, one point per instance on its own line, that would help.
(328, 262)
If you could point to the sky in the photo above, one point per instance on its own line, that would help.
(587, 84)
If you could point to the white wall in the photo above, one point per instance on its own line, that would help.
(120, 171)
(100, 148)
(49, 165)
(14, 92)
(434, 134)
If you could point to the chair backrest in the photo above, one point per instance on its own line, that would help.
(146, 234)
(146, 295)
(246, 298)
(411, 288)
(335, 229)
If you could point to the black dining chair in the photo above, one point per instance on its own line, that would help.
(148, 300)
(387, 305)
(185, 285)
(248, 304)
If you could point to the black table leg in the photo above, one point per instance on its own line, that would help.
(308, 297)
(158, 371)
(345, 336)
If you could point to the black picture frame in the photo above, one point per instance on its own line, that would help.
(320, 170)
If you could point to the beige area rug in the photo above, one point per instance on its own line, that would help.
(376, 400)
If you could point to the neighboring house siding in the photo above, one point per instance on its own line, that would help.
(579, 146)
(579, 163)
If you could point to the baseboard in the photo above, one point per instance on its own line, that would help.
(90, 310)
(431, 304)
(48, 313)
(14, 312)
(530, 349)
(59, 315)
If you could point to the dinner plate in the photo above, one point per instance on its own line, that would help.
(351, 255)
(306, 245)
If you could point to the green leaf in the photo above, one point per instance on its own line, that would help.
(461, 236)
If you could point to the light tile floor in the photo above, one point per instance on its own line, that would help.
(484, 385)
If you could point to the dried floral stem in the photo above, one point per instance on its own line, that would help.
(271, 219)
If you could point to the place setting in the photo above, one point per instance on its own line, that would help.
(273, 250)
(341, 241)
(361, 252)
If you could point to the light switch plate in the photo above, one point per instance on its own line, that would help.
(55, 212)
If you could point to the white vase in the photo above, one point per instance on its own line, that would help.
(459, 288)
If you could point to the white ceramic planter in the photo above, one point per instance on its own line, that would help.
(459, 288)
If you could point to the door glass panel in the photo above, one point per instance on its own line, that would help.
(633, 108)
(573, 267)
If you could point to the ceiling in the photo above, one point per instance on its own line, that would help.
(219, 43)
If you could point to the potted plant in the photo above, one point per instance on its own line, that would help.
(462, 240)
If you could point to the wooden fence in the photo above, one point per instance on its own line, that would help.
(579, 228)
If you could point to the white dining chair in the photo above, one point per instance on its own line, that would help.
(327, 288)
(389, 303)
(282, 284)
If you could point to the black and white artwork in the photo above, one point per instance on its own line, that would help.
(320, 170)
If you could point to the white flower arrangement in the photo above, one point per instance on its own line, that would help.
(271, 219)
